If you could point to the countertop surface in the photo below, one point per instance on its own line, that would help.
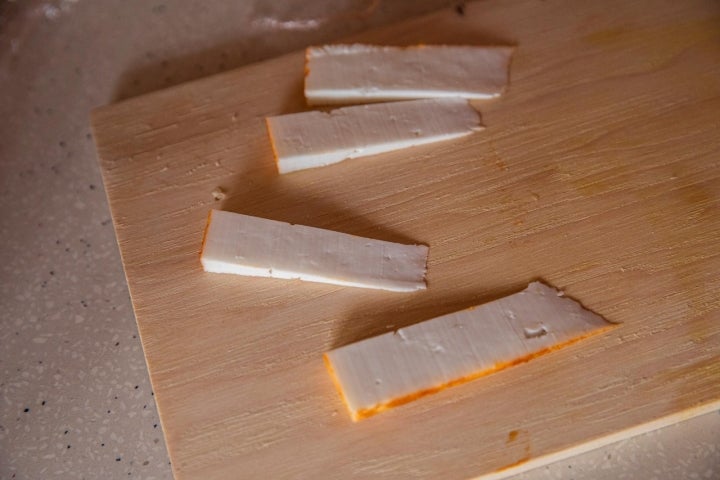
(76, 399)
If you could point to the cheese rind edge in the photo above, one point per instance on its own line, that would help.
(395, 368)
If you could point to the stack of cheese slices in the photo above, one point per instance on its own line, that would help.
(408, 96)
(434, 82)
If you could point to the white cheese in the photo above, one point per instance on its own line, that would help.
(315, 139)
(394, 368)
(253, 246)
(361, 73)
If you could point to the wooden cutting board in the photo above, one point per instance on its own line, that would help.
(599, 172)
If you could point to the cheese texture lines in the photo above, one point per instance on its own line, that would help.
(314, 139)
(253, 246)
(394, 368)
(337, 74)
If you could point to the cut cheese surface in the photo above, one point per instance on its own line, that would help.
(252, 246)
(315, 139)
(338, 74)
(394, 368)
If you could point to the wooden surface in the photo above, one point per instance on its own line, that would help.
(598, 173)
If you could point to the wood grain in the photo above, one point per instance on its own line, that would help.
(598, 173)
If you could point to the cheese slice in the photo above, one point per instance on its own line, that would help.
(315, 139)
(258, 247)
(363, 73)
(394, 368)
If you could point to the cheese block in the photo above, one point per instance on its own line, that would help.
(394, 368)
(315, 139)
(337, 74)
(252, 246)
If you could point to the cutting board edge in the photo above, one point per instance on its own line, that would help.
(593, 444)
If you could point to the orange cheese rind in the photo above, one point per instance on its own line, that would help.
(395, 402)
(338, 387)
(205, 232)
(276, 157)
(392, 369)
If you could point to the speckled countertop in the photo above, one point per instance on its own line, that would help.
(76, 400)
